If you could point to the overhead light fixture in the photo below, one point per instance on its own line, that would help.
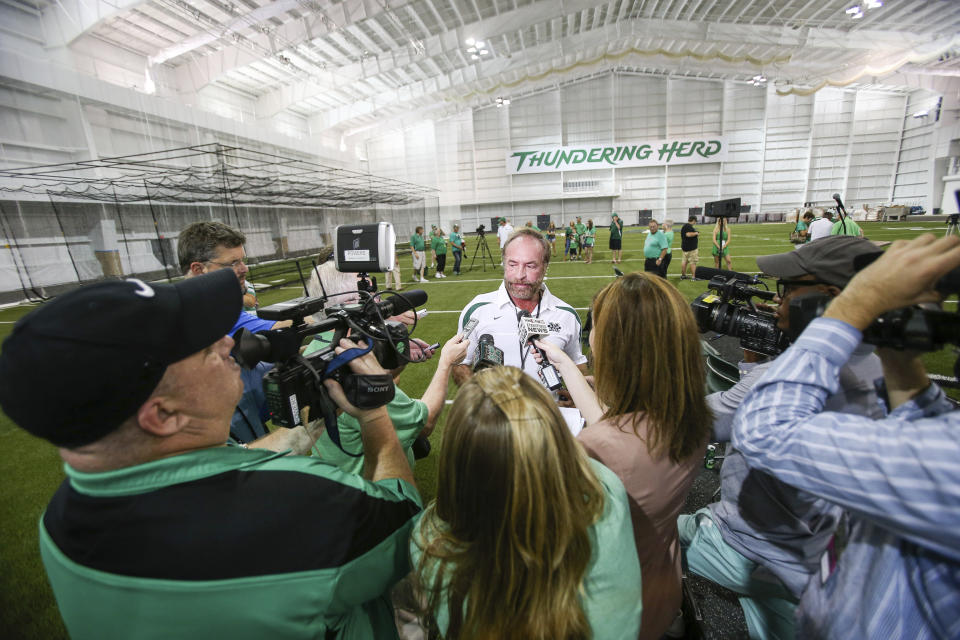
(923, 113)
(470, 42)
(479, 43)
(858, 10)
(502, 102)
(474, 56)
(758, 80)
(854, 9)
(873, 4)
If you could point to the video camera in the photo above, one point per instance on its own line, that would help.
(297, 381)
(915, 328)
(481, 230)
(727, 308)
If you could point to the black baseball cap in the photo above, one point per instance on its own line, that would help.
(75, 369)
(834, 260)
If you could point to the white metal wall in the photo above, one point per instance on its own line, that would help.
(783, 151)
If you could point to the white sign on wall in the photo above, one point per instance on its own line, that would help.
(647, 153)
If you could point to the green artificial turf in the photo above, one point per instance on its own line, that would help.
(31, 469)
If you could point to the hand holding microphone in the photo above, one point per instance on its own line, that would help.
(530, 329)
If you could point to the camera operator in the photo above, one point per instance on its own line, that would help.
(527, 255)
(412, 419)
(159, 529)
(205, 247)
(898, 477)
(764, 539)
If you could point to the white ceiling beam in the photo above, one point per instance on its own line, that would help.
(67, 20)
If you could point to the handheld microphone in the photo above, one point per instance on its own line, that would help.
(487, 354)
(708, 273)
(530, 329)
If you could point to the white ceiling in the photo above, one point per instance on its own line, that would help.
(352, 64)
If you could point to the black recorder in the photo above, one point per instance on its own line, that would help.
(727, 308)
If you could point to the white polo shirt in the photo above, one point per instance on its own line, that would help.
(497, 316)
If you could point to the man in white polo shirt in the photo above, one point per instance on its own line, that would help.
(526, 256)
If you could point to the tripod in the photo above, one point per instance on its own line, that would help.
(484, 252)
(952, 225)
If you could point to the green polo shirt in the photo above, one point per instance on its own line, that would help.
(456, 241)
(416, 241)
(580, 227)
(439, 245)
(227, 542)
(654, 244)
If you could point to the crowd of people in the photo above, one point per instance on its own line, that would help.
(166, 525)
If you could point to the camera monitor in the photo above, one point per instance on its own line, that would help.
(729, 208)
(360, 248)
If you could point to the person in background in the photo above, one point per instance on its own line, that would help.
(456, 246)
(821, 227)
(418, 247)
(654, 249)
(429, 241)
(668, 237)
(575, 247)
(503, 232)
(439, 245)
(393, 274)
(527, 538)
(589, 238)
(568, 233)
(616, 238)
(529, 224)
(721, 243)
(250, 302)
(552, 238)
(581, 229)
(689, 246)
(648, 421)
(803, 227)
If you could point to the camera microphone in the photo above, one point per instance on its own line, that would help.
(487, 354)
(840, 206)
(708, 274)
(400, 302)
(530, 329)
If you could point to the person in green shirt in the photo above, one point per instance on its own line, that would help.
(616, 237)
(845, 226)
(668, 237)
(439, 246)
(574, 239)
(581, 229)
(721, 243)
(654, 249)
(803, 228)
(457, 246)
(589, 238)
(417, 247)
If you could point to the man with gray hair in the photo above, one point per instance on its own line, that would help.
(526, 255)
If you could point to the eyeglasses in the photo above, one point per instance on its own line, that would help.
(784, 286)
(230, 265)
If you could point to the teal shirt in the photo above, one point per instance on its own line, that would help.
(456, 241)
(590, 236)
(580, 227)
(654, 244)
(668, 235)
(853, 229)
(409, 417)
(439, 245)
(611, 595)
(416, 241)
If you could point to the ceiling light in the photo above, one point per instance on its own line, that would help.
(857, 16)
(474, 56)
(472, 50)
(853, 9)
(470, 42)
(483, 52)
(922, 113)
(873, 4)
(479, 43)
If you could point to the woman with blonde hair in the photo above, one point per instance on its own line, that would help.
(527, 537)
(648, 420)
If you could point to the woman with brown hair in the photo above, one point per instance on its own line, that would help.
(648, 420)
(527, 538)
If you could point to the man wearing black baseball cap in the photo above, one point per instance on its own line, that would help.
(764, 539)
(160, 529)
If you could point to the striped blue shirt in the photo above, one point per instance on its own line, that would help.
(899, 478)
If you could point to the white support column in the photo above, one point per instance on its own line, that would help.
(763, 147)
(896, 163)
(846, 172)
